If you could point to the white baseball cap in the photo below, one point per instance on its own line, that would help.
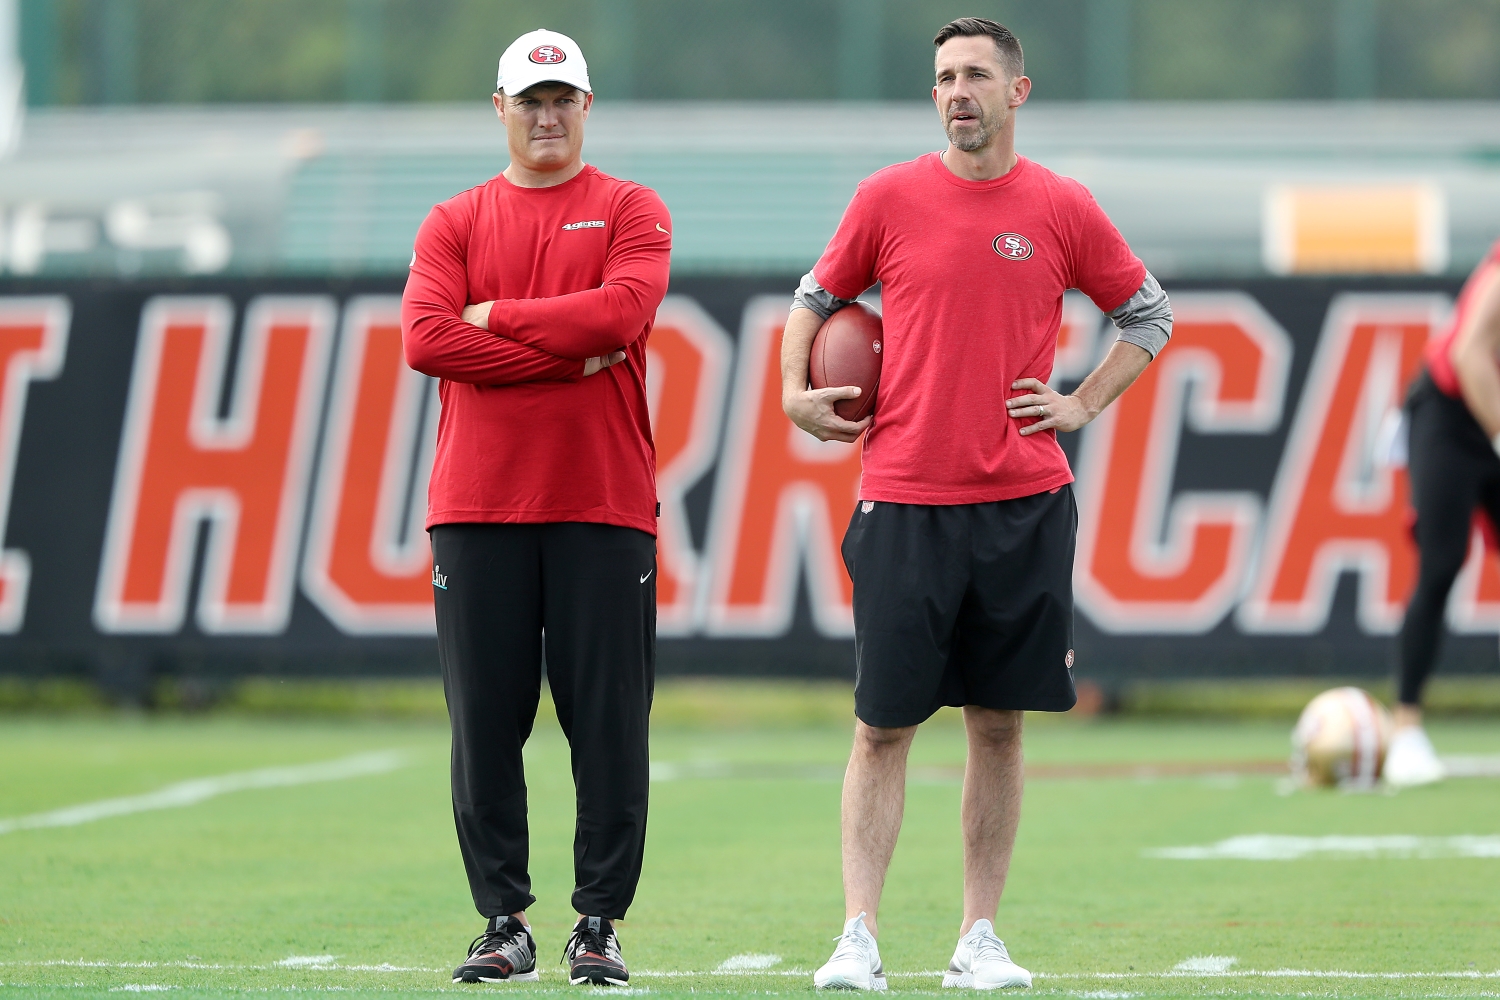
(542, 56)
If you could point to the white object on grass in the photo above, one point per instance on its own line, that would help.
(195, 790)
(1211, 964)
(307, 961)
(1272, 847)
(981, 962)
(1472, 766)
(1411, 760)
(748, 962)
(855, 963)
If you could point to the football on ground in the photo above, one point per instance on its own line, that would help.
(1341, 739)
(846, 351)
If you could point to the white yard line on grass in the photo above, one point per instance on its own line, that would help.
(1268, 974)
(219, 967)
(1176, 973)
(748, 962)
(141, 988)
(195, 790)
(1473, 767)
(1271, 847)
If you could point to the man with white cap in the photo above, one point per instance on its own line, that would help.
(531, 297)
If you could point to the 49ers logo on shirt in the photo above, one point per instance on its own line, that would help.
(547, 55)
(1012, 246)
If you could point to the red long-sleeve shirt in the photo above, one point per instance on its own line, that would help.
(575, 271)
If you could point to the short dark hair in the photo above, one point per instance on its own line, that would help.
(1007, 45)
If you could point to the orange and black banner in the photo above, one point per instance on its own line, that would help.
(228, 476)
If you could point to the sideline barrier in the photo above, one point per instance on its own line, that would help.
(228, 476)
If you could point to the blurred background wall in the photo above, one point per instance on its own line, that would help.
(123, 52)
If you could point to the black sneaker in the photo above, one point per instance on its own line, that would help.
(504, 953)
(593, 954)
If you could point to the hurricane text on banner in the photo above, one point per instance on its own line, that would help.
(33, 342)
(1149, 561)
(368, 564)
(1336, 505)
(181, 463)
(781, 501)
(1474, 604)
(687, 370)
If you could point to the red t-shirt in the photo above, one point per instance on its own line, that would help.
(972, 275)
(575, 271)
(1439, 353)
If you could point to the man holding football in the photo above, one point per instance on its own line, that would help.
(530, 297)
(961, 548)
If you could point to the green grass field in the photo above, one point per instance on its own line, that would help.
(355, 885)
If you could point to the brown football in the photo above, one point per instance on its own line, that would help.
(846, 351)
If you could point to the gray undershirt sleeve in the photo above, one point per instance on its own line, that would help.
(1145, 319)
(811, 295)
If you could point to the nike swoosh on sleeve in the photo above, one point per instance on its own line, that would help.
(659, 229)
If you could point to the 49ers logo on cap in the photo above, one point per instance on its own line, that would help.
(547, 55)
(1012, 246)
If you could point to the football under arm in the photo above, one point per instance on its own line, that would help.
(812, 304)
(1476, 349)
(814, 297)
(796, 348)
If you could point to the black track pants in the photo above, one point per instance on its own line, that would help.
(592, 588)
(1453, 471)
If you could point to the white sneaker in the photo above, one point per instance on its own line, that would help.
(1411, 760)
(855, 964)
(980, 962)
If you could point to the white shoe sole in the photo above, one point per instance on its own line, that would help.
(966, 981)
(522, 977)
(836, 982)
(585, 979)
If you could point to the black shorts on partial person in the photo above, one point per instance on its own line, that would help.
(962, 604)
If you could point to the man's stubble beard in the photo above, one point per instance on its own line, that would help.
(968, 142)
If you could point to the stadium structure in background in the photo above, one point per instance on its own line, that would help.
(213, 460)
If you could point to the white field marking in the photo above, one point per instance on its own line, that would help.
(139, 988)
(673, 974)
(936, 973)
(1105, 995)
(1205, 963)
(1472, 767)
(1111, 976)
(195, 790)
(383, 967)
(1269, 974)
(307, 961)
(295, 962)
(748, 962)
(1271, 847)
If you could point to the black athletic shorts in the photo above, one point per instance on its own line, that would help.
(962, 604)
